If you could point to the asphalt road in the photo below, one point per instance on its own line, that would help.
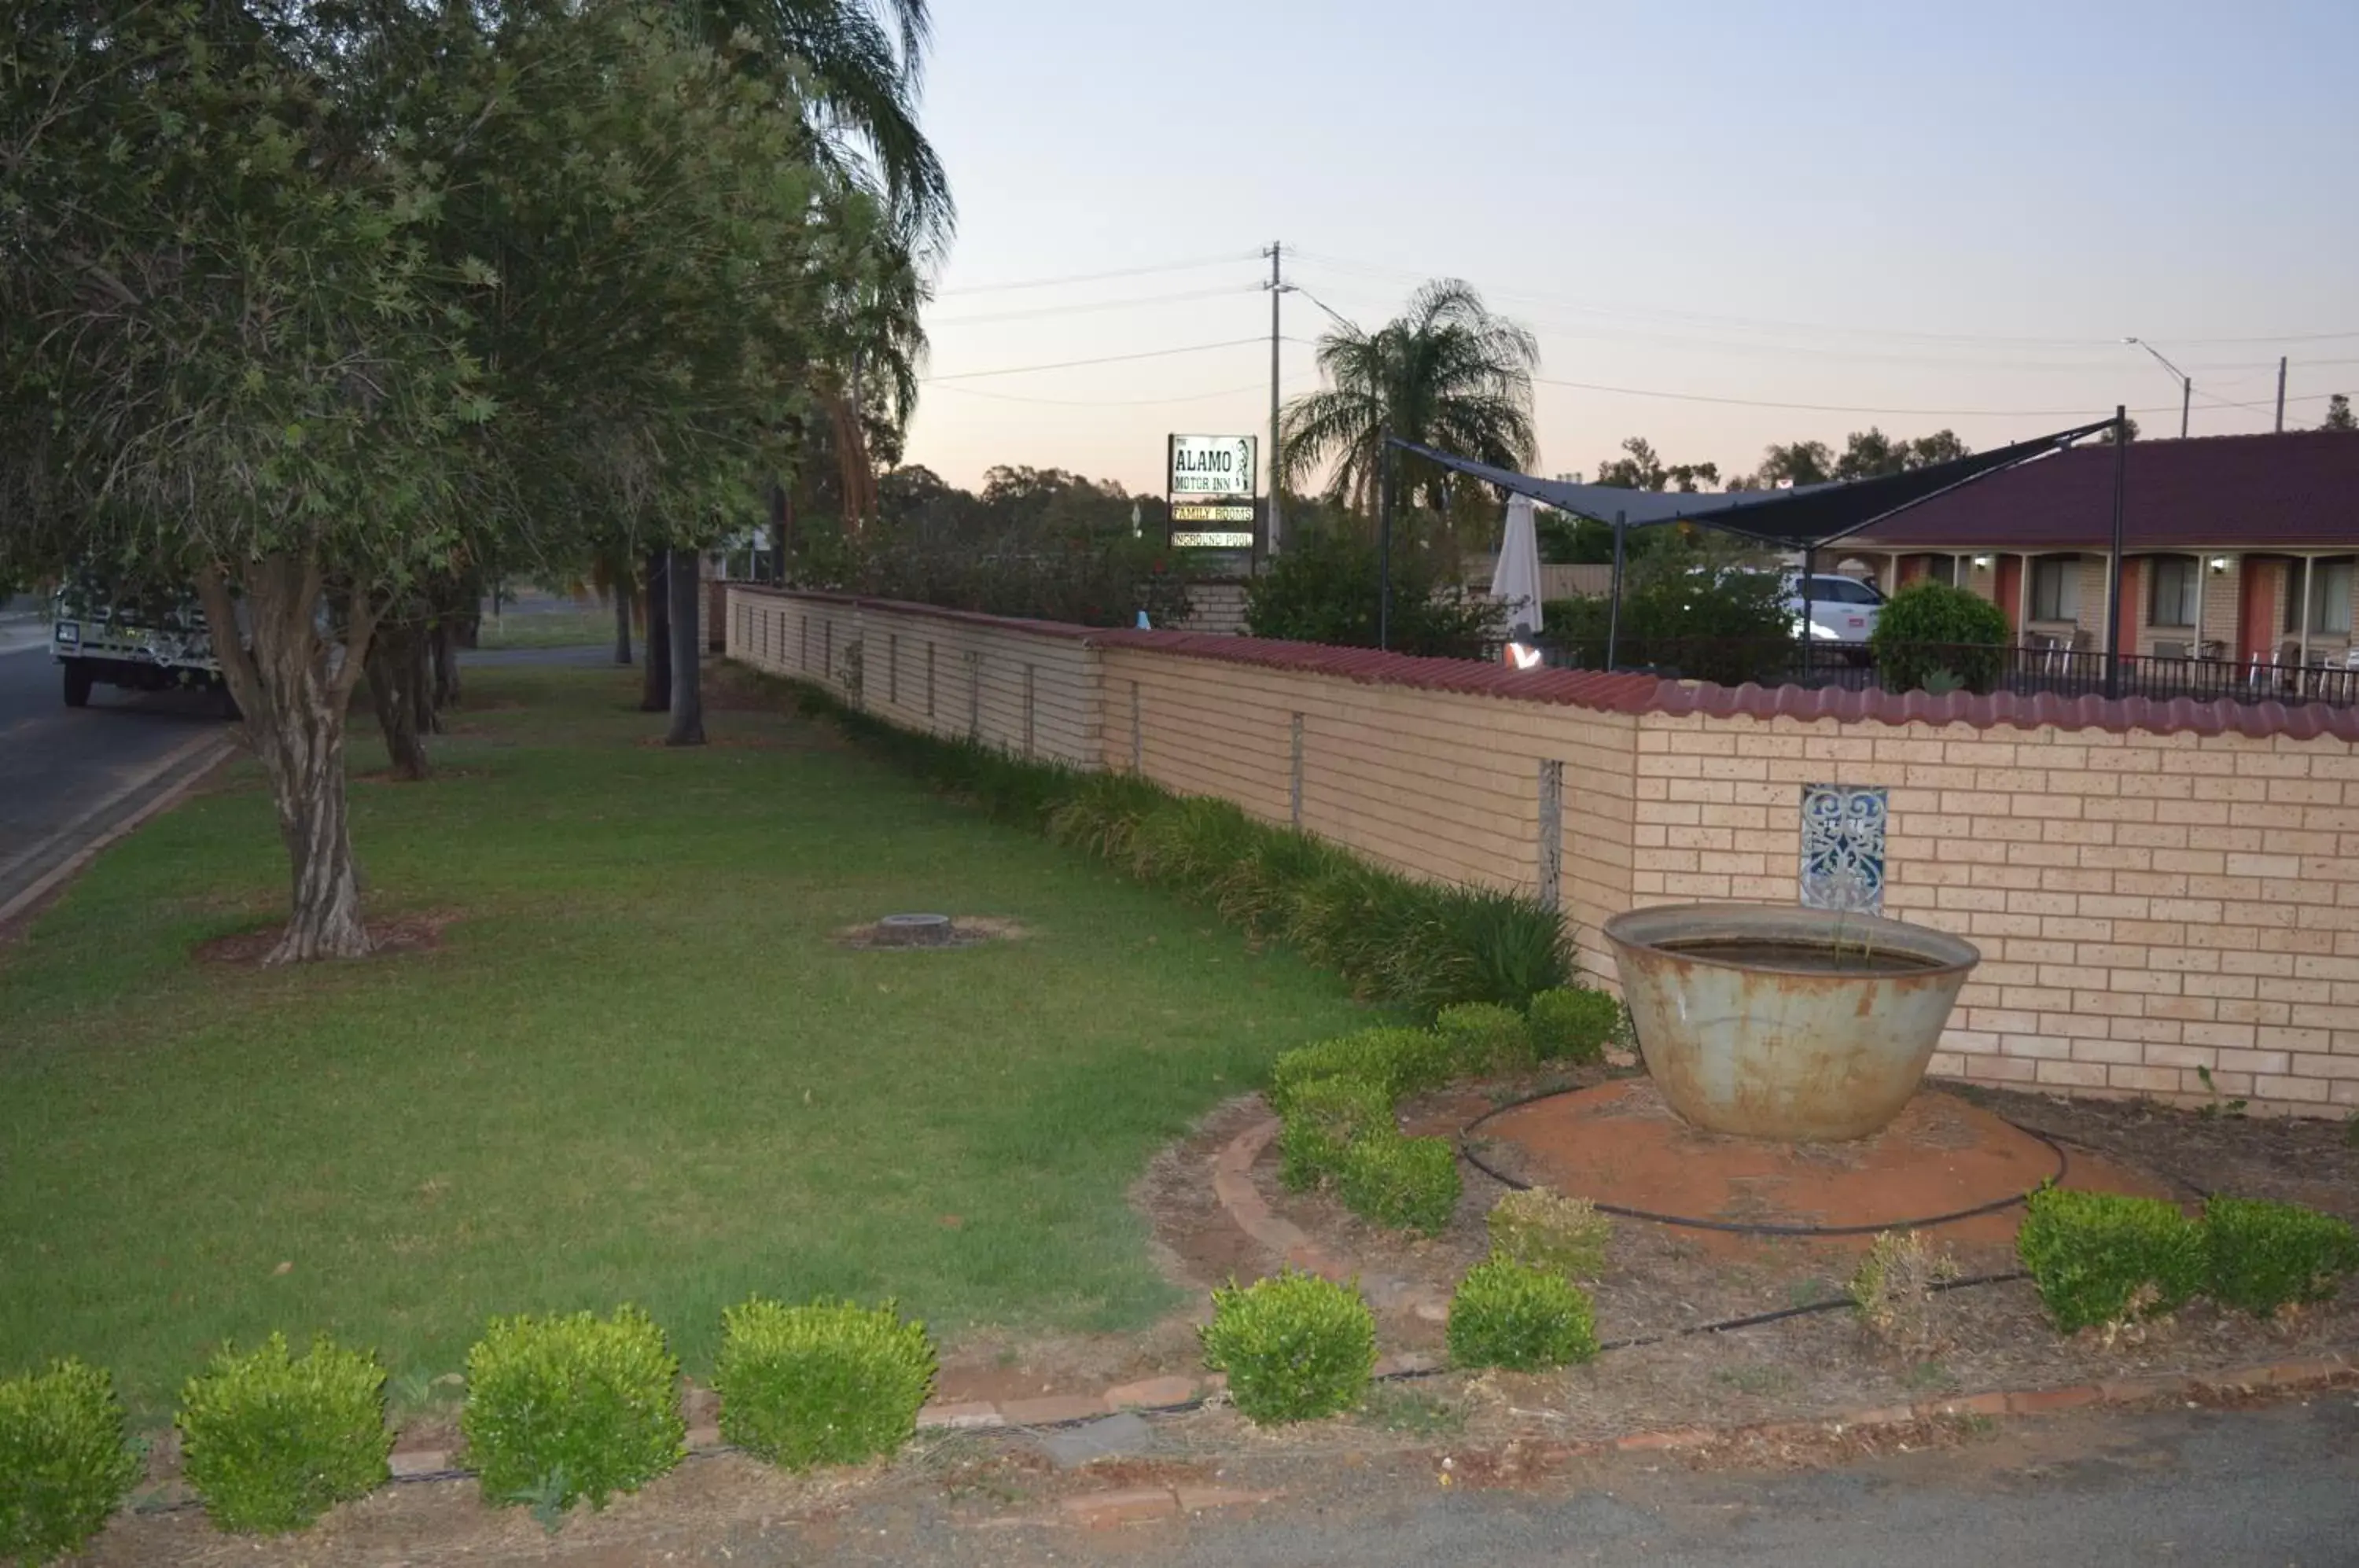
(2268, 1486)
(66, 776)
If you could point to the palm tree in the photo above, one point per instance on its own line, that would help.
(856, 66)
(1447, 374)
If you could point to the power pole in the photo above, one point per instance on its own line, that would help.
(2281, 370)
(1277, 287)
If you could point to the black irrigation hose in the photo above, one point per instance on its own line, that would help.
(1742, 1227)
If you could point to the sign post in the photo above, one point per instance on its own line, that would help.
(1210, 491)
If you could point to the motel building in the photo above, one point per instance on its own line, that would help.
(2237, 563)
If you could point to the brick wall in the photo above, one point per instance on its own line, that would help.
(1029, 688)
(2157, 890)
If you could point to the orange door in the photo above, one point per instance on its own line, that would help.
(2257, 603)
(1912, 567)
(2010, 589)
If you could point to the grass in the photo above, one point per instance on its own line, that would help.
(552, 628)
(636, 1069)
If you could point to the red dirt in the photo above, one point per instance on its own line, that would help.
(1620, 1145)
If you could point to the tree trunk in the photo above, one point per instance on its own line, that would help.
(396, 694)
(446, 663)
(686, 650)
(656, 692)
(294, 690)
(421, 680)
(622, 623)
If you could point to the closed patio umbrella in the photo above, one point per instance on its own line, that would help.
(1515, 581)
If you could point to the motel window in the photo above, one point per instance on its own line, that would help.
(1942, 569)
(2056, 588)
(2330, 596)
(2178, 580)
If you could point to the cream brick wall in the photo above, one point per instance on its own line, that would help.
(963, 677)
(2148, 906)
(1435, 784)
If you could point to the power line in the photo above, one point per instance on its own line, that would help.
(1103, 359)
(1857, 408)
(1118, 402)
(1769, 325)
(1103, 277)
(1088, 307)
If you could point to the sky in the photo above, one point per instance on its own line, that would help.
(1910, 215)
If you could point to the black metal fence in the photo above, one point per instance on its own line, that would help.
(2064, 673)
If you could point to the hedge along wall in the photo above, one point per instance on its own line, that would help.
(2158, 889)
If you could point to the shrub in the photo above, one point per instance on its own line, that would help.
(1505, 1313)
(270, 1441)
(1929, 627)
(564, 1407)
(1324, 585)
(1573, 1023)
(64, 1466)
(2264, 1256)
(1324, 1117)
(1295, 1346)
(2100, 1258)
(1397, 1060)
(1892, 1291)
(824, 1384)
(1540, 1228)
(1407, 1183)
(1485, 1038)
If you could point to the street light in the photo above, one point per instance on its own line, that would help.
(2186, 382)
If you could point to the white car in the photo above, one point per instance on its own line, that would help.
(1842, 609)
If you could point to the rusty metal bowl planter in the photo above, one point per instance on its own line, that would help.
(1774, 1022)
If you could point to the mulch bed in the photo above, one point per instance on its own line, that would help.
(1660, 1281)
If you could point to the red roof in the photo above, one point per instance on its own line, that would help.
(2300, 490)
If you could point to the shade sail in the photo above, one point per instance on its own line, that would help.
(1803, 518)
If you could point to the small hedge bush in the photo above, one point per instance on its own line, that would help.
(64, 1466)
(2100, 1258)
(1397, 1060)
(270, 1441)
(1295, 1347)
(1930, 628)
(1574, 1024)
(1540, 1228)
(1485, 1038)
(824, 1384)
(1892, 1291)
(2264, 1256)
(1407, 1183)
(1524, 1319)
(1324, 1118)
(564, 1407)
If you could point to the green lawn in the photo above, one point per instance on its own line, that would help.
(566, 627)
(636, 1069)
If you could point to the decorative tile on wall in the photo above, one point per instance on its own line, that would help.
(1843, 847)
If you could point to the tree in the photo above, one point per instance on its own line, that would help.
(1798, 462)
(1448, 374)
(1323, 588)
(325, 306)
(2338, 414)
(1640, 469)
(2130, 430)
(224, 354)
